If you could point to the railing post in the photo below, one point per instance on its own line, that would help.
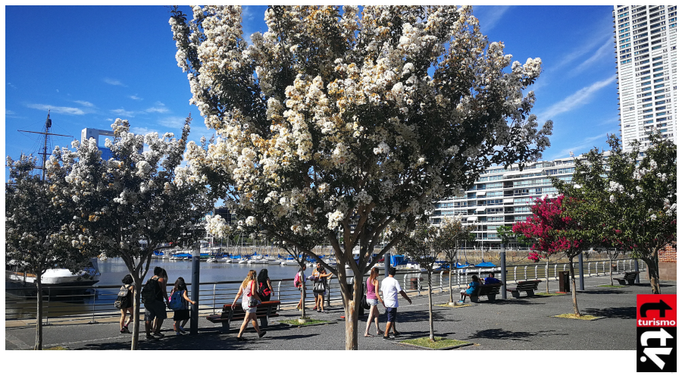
(214, 288)
(94, 296)
(503, 271)
(515, 268)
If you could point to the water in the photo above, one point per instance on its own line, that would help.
(113, 270)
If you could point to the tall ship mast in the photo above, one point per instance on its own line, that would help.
(46, 133)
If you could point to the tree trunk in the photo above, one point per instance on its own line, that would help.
(431, 333)
(574, 294)
(547, 276)
(39, 313)
(302, 297)
(652, 266)
(136, 317)
(352, 307)
(452, 301)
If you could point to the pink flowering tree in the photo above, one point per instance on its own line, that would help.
(342, 122)
(553, 233)
(628, 200)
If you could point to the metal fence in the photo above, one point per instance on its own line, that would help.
(98, 302)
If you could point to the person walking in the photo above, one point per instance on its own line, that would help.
(250, 301)
(299, 282)
(181, 316)
(373, 299)
(390, 288)
(155, 303)
(320, 277)
(126, 302)
(264, 291)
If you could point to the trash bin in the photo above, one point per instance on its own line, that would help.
(564, 281)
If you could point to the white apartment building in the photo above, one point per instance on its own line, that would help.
(646, 57)
(503, 197)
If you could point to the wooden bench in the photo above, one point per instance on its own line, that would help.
(629, 278)
(490, 290)
(265, 310)
(529, 286)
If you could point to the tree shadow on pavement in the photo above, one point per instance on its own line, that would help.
(617, 312)
(501, 334)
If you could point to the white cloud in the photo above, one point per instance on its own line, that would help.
(489, 16)
(575, 100)
(114, 82)
(157, 110)
(84, 103)
(604, 52)
(58, 110)
(583, 146)
(123, 113)
(135, 97)
(172, 122)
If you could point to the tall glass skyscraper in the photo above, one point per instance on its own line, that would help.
(646, 58)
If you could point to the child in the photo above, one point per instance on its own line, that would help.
(181, 315)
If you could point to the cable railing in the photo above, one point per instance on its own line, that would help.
(97, 302)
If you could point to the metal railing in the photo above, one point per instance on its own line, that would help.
(98, 302)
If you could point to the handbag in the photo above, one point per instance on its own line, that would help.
(253, 302)
(319, 286)
(364, 302)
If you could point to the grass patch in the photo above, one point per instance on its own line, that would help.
(440, 343)
(550, 294)
(611, 286)
(574, 317)
(453, 306)
(308, 322)
(57, 348)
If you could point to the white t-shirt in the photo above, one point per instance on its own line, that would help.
(390, 288)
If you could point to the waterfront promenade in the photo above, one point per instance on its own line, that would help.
(511, 324)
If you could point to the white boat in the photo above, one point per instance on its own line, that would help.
(243, 261)
(289, 262)
(55, 280)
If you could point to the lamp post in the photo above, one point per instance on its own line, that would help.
(194, 320)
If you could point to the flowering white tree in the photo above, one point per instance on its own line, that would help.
(626, 200)
(35, 228)
(448, 239)
(134, 201)
(342, 123)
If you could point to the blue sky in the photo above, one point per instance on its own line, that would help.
(92, 64)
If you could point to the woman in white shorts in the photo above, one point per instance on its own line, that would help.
(250, 301)
(373, 299)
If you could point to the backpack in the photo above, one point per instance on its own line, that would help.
(297, 280)
(122, 295)
(175, 300)
(149, 292)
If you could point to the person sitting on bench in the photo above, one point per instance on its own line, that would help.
(471, 288)
(491, 279)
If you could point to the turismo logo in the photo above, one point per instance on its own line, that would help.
(656, 333)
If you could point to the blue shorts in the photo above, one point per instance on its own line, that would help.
(391, 314)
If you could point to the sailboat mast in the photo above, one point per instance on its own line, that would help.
(48, 124)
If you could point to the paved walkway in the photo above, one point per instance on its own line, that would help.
(511, 324)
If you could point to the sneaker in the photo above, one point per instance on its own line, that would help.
(396, 334)
(241, 339)
(184, 332)
(152, 337)
(386, 337)
(158, 335)
(261, 334)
